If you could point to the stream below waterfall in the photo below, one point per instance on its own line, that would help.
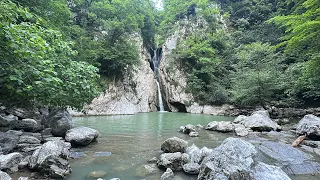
(126, 143)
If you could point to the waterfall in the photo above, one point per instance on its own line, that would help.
(155, 63)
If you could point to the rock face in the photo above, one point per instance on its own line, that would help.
(174, 161)
(51, 159)
(221, 126)
(4, 176)
(10, 162)
(136, 92)
(168, 175)
(309, 125)
(174, 144)
(59, 120)
(8, 141)
(262, 171)
(81, 136)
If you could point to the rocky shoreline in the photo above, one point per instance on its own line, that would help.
(258, 149)
(41, 145)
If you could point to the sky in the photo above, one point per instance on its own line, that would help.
(158, 4)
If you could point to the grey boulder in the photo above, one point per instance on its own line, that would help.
(51, 159)
(81, 136)
(8, 141)
(260, 122)
(59, 120)
(29, 125)
(309, 125)
(220, 126)
(174, 144)
(187, 129)
(174, 161)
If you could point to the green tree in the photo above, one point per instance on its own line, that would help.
(37, 66)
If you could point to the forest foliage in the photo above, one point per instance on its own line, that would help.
(245, 52)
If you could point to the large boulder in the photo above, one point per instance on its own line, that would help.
(295, 162)
(8, 141)
(59, 120)
(259, 122)
(4, 176)
(29, 125)
(220, 126)
(262, 171)
(10, 162)
(232, 159)
(309, 125)
(81, 136)
(197, 155)
(51, 159)
(174, 161)
(174, 144)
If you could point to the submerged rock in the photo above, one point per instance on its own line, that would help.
(81, 136)
(59, 121)
(4, 176)
(309, 125)
(220, 126)
(96, 174)
(174, 161)
(174, 144)
(168, 175)
(193, 134)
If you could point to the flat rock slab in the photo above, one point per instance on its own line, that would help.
(291, 160)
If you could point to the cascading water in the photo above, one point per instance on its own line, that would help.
(155, 63)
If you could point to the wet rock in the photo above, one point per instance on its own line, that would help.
(4, 176)
(81, 136)
(50, 159)
(240, 130)
(232, 159)
(8, 142)
(174, 144)
(10, 162)
(153, 160)
(188, 128)
(193, 134)
(191, 168)
(168, 175)
(259, 122)
(220, 126)
(59, 121)
(262, 171)
(29, 125)
(174, 161)
(314, 144)
(29, 140)
(309, 125)
(295, 162)
(96, 174)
